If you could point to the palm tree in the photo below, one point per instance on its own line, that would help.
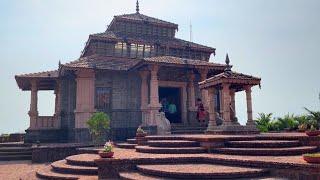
(314, 118)
(263, 121)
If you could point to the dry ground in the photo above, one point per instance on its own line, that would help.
(14, 170)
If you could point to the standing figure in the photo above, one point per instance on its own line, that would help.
(201, 113)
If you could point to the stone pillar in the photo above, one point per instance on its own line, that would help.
(249, 105)
(226, 104)
(33, 112)
(154, 105)
(233, 104)
(144, 95)
(212, 115)
(85, 97)
(57, 114)
(191, 94)
(204, 92)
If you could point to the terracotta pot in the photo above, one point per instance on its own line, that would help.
(312, 159)
(312, 133)
(106, 154)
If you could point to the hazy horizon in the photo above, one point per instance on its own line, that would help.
(277, 40)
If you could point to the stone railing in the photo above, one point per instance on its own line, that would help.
(46, 122)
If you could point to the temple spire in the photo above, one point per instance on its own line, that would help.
(228, 67)
(227, 59)
(137, 7)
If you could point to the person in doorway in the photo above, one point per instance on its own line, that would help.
(201, 113)
(164, 105)
(172, 110)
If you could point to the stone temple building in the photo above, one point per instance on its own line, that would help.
(126, 71)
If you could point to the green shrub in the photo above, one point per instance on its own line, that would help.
(263, 121)
(99, 125)
(313, 118)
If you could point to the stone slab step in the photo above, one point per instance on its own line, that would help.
(89, 150)
(16, 153)
(165, 138)
(14, 149)
(137, 176)
(166, 150)
(15, 157)
(47, 173)
(173, 143)
(267, 151)
(126, 145)
(62, 167)
(132, 141)
(14, 144)
(82, 160)
(187, 131)
(200, 171)
(263, 144)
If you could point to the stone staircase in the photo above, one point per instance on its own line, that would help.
(15, 151)
(265, 147)
(70, 168)
(130, 144)
(181, 129)
(192, 171)
(167, 145)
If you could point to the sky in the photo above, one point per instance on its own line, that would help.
(277, 40)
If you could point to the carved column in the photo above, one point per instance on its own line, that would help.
(85, 97)
(249, 105)
(212, 115)
(204, 92)
(33, 112)
(226, 104)
(154, 105)
(144, 95)
(57, 114)
(233, 103)
(191, 94)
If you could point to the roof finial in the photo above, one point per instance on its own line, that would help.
(227, 60)
(137, 7)
(228, 67)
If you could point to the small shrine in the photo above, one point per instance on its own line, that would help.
(229, 83)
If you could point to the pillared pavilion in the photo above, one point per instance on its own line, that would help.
(130, 71)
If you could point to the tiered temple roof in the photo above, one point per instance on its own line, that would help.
(137, 17)
(237, 80)
(139, 40)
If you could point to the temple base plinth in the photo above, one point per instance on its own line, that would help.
(233, 129)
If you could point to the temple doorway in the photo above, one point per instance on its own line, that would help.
(170, 99)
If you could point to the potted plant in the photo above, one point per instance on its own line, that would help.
(140, 132)
(312, 131)
(312, 158)
(99, 125)
(302, 127)
(107, 151)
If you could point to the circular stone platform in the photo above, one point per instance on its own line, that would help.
(200, 171)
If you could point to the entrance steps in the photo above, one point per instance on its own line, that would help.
(175, 143)
(192, 171)
(70, 168)
(129, 144)
(15, 151)
(263, 144)
(265, 147)
(184, 129)
(170, 150)
(267, 151)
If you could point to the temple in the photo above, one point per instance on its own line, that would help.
(128, 72)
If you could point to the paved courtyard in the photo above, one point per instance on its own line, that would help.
(18, 170)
